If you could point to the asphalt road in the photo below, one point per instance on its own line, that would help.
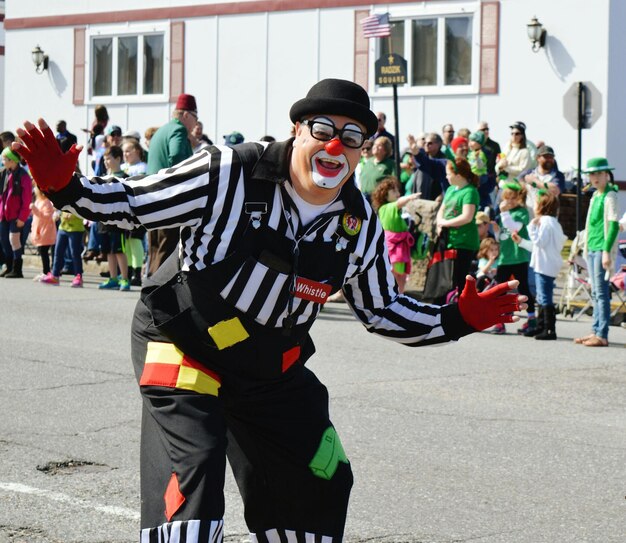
(491, 439)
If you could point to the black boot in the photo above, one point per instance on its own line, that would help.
(549, 331)
(8, 269)
(540, 326)
(135, 276)
(17, 270)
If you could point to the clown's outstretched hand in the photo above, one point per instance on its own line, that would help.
(494, 306)
(51, 168)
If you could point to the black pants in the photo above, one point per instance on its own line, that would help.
(286, 458)
(462, 266)
(44, 253)
(519, 272)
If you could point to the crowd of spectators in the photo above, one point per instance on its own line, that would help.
(488, 195)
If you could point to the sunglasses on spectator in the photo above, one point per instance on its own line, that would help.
(516, 133)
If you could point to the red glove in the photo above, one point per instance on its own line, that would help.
(488, 308)
(51, 169)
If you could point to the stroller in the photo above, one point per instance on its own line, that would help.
(576, 300)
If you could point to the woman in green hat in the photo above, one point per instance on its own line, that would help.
(600, 248)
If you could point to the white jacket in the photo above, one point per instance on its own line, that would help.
(548, 240)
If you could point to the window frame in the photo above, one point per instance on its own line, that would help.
(121, 31)
(408, 13)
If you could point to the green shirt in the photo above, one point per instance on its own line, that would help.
(169, 146)
(405, 175)
(596, 240)
(478, 162)
(466, 236)
(511, 252)
(391, 219)
(372, 172)
(71, 223)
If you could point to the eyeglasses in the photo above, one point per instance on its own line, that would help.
(516, 133)
(484, 128)
(350, 135)
(448, 131)
(194, 115)
(430, 143)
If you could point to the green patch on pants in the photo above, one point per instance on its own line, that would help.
(328, 455)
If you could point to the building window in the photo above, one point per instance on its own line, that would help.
(438, 50)
(127, 65)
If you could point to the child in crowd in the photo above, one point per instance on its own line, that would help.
(514, 259)
(134, 163)
(487, 262)
(43, 233)
(546, 242)
(70, 233)
(387, 202)
(478, 161)
(600, 249)
(112, 238)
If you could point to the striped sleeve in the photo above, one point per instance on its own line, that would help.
(172, 198)
(373, 297)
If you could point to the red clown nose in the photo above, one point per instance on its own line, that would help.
(334, 147)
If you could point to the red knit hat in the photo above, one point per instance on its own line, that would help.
(186, 102)
(457, 141)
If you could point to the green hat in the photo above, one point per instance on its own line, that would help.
(10, 154)
(478, 137)
(513, 185)
(597, 164)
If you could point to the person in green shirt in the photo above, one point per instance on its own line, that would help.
(457, 213)
(379, 166)
(602, 227)
(514, 260)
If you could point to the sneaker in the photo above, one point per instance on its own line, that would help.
(528, 328)
(50, 279)
(498, 329)
(109, 284)
(39, 277)
(77, 282)
(124, 284)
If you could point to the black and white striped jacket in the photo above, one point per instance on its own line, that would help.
(204, 196)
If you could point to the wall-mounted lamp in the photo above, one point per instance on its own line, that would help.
(536, 34)
(40, 60)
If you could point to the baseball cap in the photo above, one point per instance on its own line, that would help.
(545, 150)
(132, 134)
(114, 128)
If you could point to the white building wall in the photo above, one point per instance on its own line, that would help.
(28, 8)
(251, 68)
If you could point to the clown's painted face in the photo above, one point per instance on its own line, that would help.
(327, 149)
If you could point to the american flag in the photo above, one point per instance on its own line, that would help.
(376, 26)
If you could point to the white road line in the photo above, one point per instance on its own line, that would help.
(70, 500)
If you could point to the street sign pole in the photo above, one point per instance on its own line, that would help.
(390, 70)
(582, 107)
(397, 128)
(579, 180)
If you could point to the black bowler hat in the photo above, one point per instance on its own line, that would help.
(336, 97)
